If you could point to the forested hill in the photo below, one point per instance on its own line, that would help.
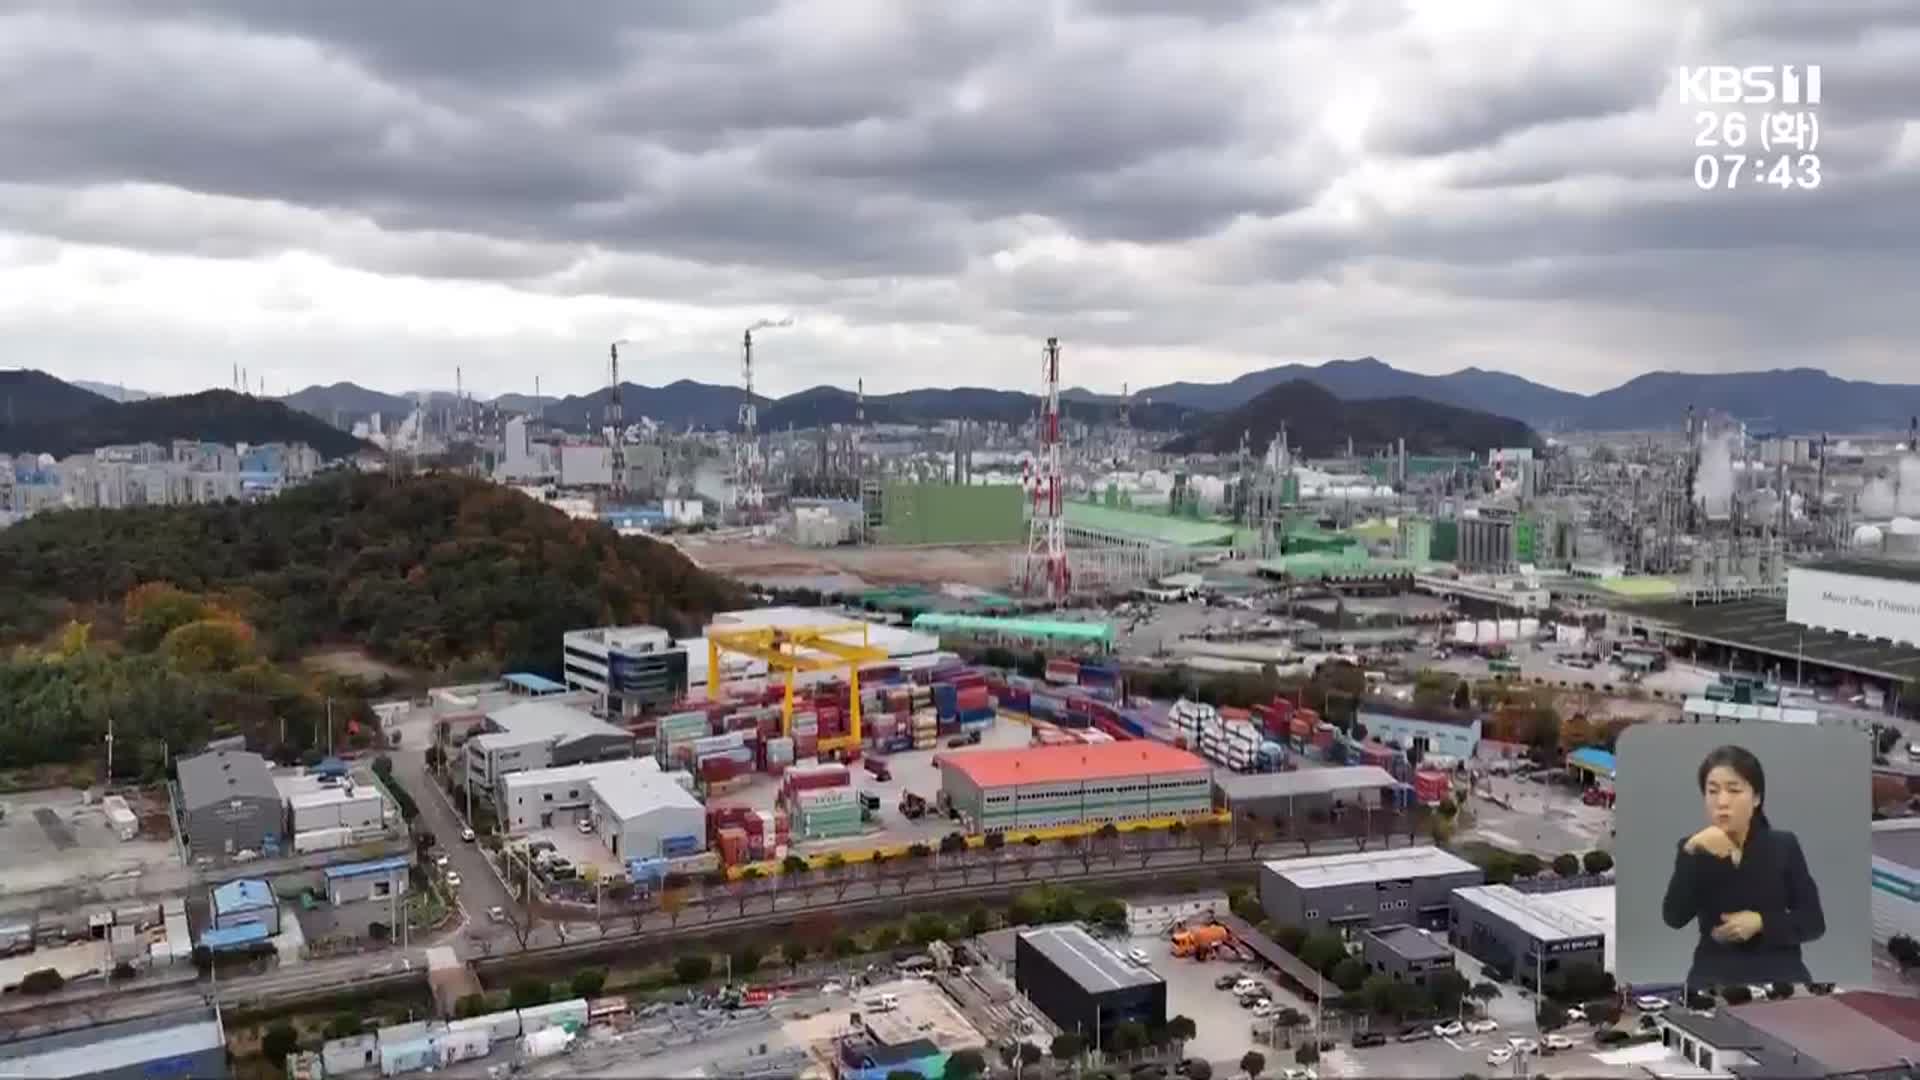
(424, 571)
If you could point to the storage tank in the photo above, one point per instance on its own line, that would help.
(1868, 537)
(1903, 537)
(1509, 629)
(1463, 632)
(1489, 631)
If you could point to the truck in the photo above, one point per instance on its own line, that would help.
(912, 806)
(1200, 941)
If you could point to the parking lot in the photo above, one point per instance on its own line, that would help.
(55, 839)
(1224, 1029)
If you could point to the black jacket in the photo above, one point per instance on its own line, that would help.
(1772, 880)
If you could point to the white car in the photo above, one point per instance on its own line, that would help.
(1245, 987)
(1449, 1029)
(453, 879)
(1481, 1027)
(1499, 1055)
(1137, 956)
(1651, 1004)
(497, 913)
(442, 862)
(467, 835)
(1576, 1014)
(1264, 1008)
(1760, 993)
(585, 826)
(1523, 1046)
(1296, 1072)
(1557, 1041)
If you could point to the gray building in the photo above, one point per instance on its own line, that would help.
(229, 804)
(1527, 936)
(1297, 794)
(189, 1045)
(1362, 890)
(540, 734)
(353, 883)
(1405, 953)
(1083, 986)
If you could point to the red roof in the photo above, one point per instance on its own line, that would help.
(1061, 764)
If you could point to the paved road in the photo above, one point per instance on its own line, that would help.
(479, 888)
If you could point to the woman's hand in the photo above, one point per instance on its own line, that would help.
(1714, 841)
(1737, 926)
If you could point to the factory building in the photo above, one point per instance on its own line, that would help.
(1433, 732)
(1896, 879)
(229, 805)
(1083, 986)
(1860, 1033)
(1362, 890)
(629, 669)
(1039, 786)
(1405, 953)
(1531, 935)
(382, 880)
(243, 903)
(539, 735)
(176, 1044)
(634, 807)
(1298, 794)
(952, 514)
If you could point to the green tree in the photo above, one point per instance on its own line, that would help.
(1349, 974)
(1447, 989)
(1129, 1036)
(1253, 1063)
(1108, 914)
(978, 922)
(279, 1041)
(587, 982)
(346, 1025)
(1198, 1069)
(1066, 1047)
(1527, 864)
(1322, 951)
(1597, 862)
(527, 993)
(886, 937)
(1307, 1054)
(1551, 1015)
(746, 958)
(469, 1005)
(692, 968)
(928, 927)
(1030, 1054)
(965, 1064)
(1290, 938)
(1181, 1029)
(1566, 864)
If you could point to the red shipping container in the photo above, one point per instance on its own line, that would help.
(1230, 712)
(1430, 785)
(1323, 738)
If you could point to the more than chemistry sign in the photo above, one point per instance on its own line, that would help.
(1866, 606)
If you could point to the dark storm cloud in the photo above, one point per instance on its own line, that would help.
(481, 44)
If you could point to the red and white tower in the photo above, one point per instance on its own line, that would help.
(1046, 569)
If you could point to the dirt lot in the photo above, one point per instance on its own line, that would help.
(982, 566)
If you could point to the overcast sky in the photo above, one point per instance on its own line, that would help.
(382, 190)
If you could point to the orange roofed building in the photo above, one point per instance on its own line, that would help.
(1040, 786)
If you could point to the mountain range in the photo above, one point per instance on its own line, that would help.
(1797, 400)
(1319, 424)
(53, 417)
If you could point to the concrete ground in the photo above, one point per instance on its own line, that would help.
(51, 839)
(1224, 1030)
(1545, 819)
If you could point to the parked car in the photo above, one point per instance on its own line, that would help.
(1648, 1003)
(497, 913)
(585, 825)
(453, 879)
(467, 835)
(1137, 956)
(1499, 1055)
(1362, 1039)
(1226, 982)
(1576, 1014)
(1523, 1045)
(1557, 1041)
(1449, 1029)
(1481, 1027)
(1417, 1033)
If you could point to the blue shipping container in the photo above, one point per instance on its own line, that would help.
(977, 716)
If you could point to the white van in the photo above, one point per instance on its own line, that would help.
(883, 1003)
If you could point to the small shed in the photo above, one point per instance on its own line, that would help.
(247, 900)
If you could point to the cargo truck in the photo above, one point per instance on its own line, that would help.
(1200, 941)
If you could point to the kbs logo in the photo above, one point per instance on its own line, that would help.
(1767, 84)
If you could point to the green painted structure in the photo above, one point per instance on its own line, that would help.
(1415, 539)
(1526, 536)
(1147, 528)
(1038, 630)
(952, 514)
(1445, 546)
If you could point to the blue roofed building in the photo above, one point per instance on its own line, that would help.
(1598, 764)
(231, 938)
(179, 1045)
(243, 902)
(381, 880)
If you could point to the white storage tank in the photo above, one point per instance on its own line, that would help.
(1509, 629)
(1464, 632)
(1489, 632)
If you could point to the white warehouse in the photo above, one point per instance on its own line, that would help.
(632, 804)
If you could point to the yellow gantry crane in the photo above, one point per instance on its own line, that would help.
(789, 650)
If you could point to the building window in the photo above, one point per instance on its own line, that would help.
(1313, 913)
(546, 796)
(382, 890)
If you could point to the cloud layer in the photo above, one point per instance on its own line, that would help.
(1177, 188)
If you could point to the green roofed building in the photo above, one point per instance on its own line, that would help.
(1110, 525)
(1037, 631)
(952, 514)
